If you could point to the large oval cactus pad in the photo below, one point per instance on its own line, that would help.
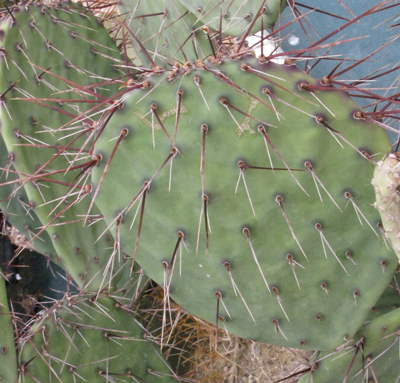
(204, 216)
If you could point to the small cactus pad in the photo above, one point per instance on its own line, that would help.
(8, 354)
(92, 339)
(271, 252)
(386, 182)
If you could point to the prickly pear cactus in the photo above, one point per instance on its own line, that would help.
(234, 180)
(240, 186)
(93, 339)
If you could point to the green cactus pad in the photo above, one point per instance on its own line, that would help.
(40, 61)
(17, 208)
(373, 355)
(195, 147)
(165, 32)
(93, 339)
(8, 354)
(237, 16)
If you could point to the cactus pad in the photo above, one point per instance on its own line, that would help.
(272, 252)
(39, 62)
(373, 355)
(92, 339)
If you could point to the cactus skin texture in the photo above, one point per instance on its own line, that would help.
(171, 160)
(386, 182)
(94, 339)
(8, 354)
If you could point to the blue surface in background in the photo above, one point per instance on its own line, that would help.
(378, 29)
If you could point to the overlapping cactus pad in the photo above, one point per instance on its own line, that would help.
(236, 184)
(93, 339)
(61, 38)
(171, 30)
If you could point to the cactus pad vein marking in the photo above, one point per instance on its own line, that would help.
(153, 109)
(245, 124)
(163, 116)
